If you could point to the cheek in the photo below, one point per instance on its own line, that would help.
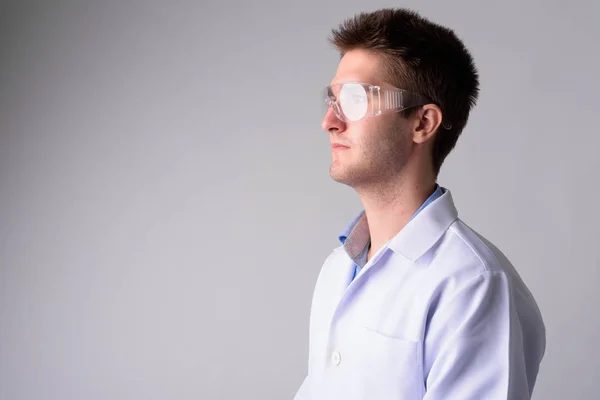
(365, 132)
(377, 137)
(387, 144)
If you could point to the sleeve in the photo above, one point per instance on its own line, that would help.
(474, 345)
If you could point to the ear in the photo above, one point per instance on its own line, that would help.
(427, 121)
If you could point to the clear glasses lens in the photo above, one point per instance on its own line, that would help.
(353, 101)
(349, 101)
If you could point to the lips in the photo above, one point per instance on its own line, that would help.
(338, 146)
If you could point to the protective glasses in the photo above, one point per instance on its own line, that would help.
(353, 101)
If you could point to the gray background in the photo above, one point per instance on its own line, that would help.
(165, 203)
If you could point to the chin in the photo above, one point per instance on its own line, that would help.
(340, 175)
(336, 174)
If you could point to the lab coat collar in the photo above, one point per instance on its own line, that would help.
(423, 231)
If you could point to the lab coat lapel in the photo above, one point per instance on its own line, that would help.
(338, 281)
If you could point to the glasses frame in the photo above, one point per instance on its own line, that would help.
(384, 99)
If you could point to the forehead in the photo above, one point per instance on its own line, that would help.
(360, 65)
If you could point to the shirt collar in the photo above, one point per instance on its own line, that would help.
(414, 243)
(421, 233)
(356, 236)
(436, 193)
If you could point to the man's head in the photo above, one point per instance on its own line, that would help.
(399, 48)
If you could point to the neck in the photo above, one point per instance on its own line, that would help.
(390, 205)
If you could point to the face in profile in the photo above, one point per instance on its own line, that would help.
(371, 149)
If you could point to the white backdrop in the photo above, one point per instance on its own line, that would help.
(165, 203)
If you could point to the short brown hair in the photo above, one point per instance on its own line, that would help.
(420, 56)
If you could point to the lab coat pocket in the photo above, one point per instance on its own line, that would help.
(392, 365)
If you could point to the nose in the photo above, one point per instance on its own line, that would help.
(331, 123)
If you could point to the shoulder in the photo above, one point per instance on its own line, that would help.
(462, 250)
(464, 259)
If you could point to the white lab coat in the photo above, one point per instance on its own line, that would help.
(438, 313)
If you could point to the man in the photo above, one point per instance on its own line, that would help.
(414, 304)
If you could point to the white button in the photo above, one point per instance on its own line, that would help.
(336, 358)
